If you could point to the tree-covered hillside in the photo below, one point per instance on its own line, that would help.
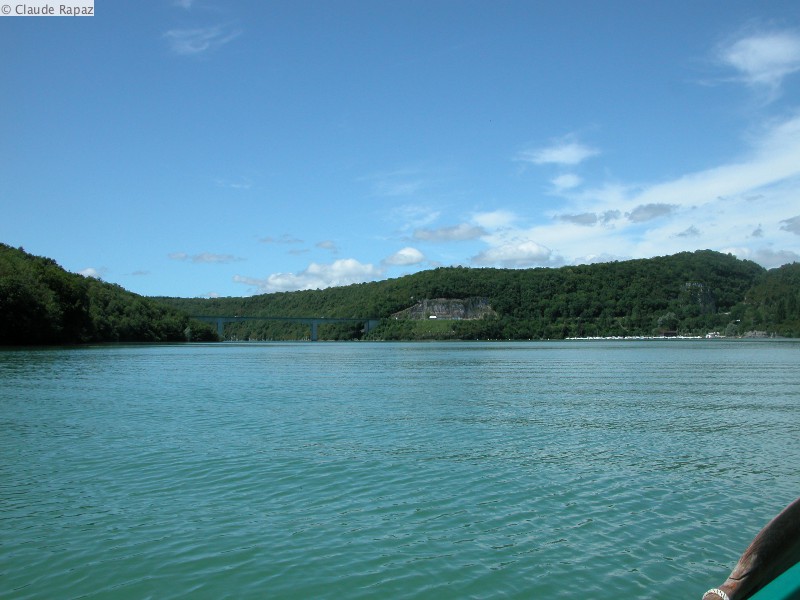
(773, 304)
(687, 293)
(41, 303)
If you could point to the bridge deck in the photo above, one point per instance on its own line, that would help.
(220, 320)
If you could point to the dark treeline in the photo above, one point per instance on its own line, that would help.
(41, 303)
(689, 293)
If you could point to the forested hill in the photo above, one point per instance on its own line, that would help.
(687, 293)
(41, 303)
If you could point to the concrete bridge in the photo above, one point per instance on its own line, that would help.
(370, 323)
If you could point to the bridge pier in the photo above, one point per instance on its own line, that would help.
(370, 324)
(314, 336)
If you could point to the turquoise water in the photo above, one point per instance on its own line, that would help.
(368, 470)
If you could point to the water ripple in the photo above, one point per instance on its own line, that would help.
(390, 470)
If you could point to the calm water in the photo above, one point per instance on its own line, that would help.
(359, 470)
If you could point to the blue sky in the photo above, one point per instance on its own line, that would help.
(233, 147)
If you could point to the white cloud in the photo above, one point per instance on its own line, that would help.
(566, 181)
(774, 158)
(516, 253)
(565, 151)
(316, 276)
(765, 256)
(456, 233)
(764, 59)
(739, 206)
(188, 42)
(405, 257)
(92, 272)
(495, 219)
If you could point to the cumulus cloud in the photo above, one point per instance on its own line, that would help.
(456, 233)
(648, 212)
(316, 276)
(764, 59)
(791, 225)
(598, 258)
(566, 151)
(515, 253)
(405, 257)
(189, 42)
(765, 256)
(92, 272)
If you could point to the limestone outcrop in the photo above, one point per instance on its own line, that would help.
(448, 308)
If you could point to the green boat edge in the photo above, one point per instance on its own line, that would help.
(785, 586)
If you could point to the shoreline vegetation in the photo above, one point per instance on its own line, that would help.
(690, 295)
(42, 304)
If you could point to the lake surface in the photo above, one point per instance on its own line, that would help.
(581, 469)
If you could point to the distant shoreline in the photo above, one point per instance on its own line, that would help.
(678, 337)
